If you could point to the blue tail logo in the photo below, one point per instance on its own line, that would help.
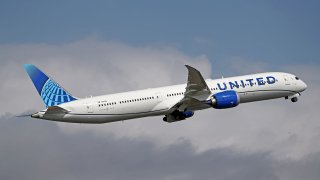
(51, 93)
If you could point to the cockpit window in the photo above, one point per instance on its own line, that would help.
(297, 78)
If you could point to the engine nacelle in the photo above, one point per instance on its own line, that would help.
(178, 116)
(187, 114)
(224, 99)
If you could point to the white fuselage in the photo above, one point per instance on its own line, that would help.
(158, 101)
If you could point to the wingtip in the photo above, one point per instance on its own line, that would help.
(190, 67)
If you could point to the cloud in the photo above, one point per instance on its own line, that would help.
(271, 138)
(33, 149)
(244, 66)
(90, 67)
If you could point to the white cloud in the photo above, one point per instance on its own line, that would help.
(91, 67)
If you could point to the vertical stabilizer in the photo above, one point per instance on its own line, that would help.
(51, 92)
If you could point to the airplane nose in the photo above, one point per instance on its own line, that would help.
(303, 86)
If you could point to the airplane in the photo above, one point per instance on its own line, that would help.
(175, 103)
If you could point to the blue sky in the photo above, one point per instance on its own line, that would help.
(102, 47)
(275, 32)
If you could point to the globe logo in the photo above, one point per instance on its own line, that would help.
(52, 94)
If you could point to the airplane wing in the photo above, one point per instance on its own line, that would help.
(52, 111)
(197, 91)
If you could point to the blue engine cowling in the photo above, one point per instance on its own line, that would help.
(187, 114)
(224, 99)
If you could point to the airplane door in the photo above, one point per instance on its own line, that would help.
(158, 96)
(89, 107)
(286, 80)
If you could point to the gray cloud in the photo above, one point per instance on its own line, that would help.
(91, 67)
(33, 149)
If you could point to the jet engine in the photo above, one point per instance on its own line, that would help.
(224, 99)
(178, 116)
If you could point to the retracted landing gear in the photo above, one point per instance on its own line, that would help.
(295, 99)
(165, 119)
(178, 116)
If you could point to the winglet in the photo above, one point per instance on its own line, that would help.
(197, 91)
(196, 82)
(51, 92)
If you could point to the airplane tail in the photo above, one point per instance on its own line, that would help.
(50, 92)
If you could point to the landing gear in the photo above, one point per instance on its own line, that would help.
(165, 119)
(178, 116)
(294, 99)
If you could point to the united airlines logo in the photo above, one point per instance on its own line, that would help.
(260, 81)
(52, 94)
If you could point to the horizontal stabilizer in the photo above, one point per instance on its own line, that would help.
(55, 110)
